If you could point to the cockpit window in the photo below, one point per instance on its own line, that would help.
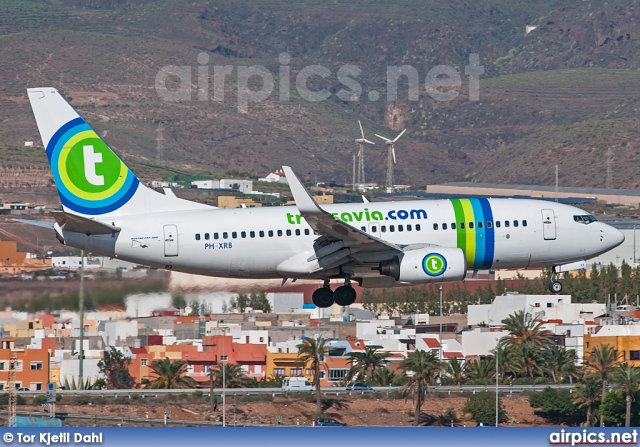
(585, 219)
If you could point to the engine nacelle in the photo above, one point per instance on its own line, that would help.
(426, 265)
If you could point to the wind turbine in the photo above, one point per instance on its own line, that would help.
(391, 158)
(361, 142)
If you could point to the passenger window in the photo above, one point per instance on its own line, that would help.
(506, 224)
(417, 227)
(400, 228)
(279, 232)
(363, 229)
(470, 225)
(270, 233)
(383, 228)
(252, 234)
(479, 224)
(261, 233)
(453, 226)
(306, 232)
(524, 223)
(392, 228)
(409, 227)
(515, 223)
(225, 235)
(435, 226)
(489, 224)
(243, 234)
(497, 224)
(444, 226)
(206, 236)
(297, 231)
(197, 236)
(462, 225)
(234, 234)
(288, 232)
(374, 229)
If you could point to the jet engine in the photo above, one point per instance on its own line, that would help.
(425, 265)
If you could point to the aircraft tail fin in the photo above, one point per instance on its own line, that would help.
(91, 179)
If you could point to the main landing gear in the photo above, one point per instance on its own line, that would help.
(343, 295)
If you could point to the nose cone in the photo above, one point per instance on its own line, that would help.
(614, 237)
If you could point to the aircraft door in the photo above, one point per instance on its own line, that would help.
(374, 229)
(170, 240)
(548, 225)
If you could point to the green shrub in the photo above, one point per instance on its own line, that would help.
(197, 393)
(482, 407)
(557, 407)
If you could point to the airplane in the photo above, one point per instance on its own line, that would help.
(107, 210)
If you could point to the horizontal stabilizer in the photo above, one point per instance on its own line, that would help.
(37, 223)
(79, 224)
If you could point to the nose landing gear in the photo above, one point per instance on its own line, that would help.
(555, 286)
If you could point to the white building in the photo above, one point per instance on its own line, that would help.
(275, 177)
(552, 308)
(243, 186)
(285, 301)
(115, 331)
(480, 341)
(206, 184)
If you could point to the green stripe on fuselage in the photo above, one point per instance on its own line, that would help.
(466, 237)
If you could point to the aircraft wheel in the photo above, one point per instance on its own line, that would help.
(322, 297)
(345, 295)
(555, 287)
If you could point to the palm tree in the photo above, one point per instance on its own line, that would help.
(480, 370)
(170, 375)
(529, 361)
(602, 361)
(364, 365)
(626, 378)
(385, 377)
(523, 332)
(234, 376)
(557, 359)
(587, 395)
(455, 370)
(506, 361)
(311, 352)
(420, 369)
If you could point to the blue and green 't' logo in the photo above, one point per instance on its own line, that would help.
(434, 264)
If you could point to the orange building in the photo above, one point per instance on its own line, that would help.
(625, 339)
(333, 370)
(252, 358)
(32, 368)
(13, 262)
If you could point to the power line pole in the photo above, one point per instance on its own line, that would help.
(556, 183)
(609, 168)
(81, 306)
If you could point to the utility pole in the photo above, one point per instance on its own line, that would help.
(497, 406)
(440, 340)
(81, 306)
(556, 183)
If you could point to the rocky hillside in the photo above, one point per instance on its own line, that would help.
(563, 94)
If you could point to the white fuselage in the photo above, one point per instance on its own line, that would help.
(254, 242)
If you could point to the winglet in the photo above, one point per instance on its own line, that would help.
(301, 196)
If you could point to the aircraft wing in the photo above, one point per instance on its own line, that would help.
(339, 234)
